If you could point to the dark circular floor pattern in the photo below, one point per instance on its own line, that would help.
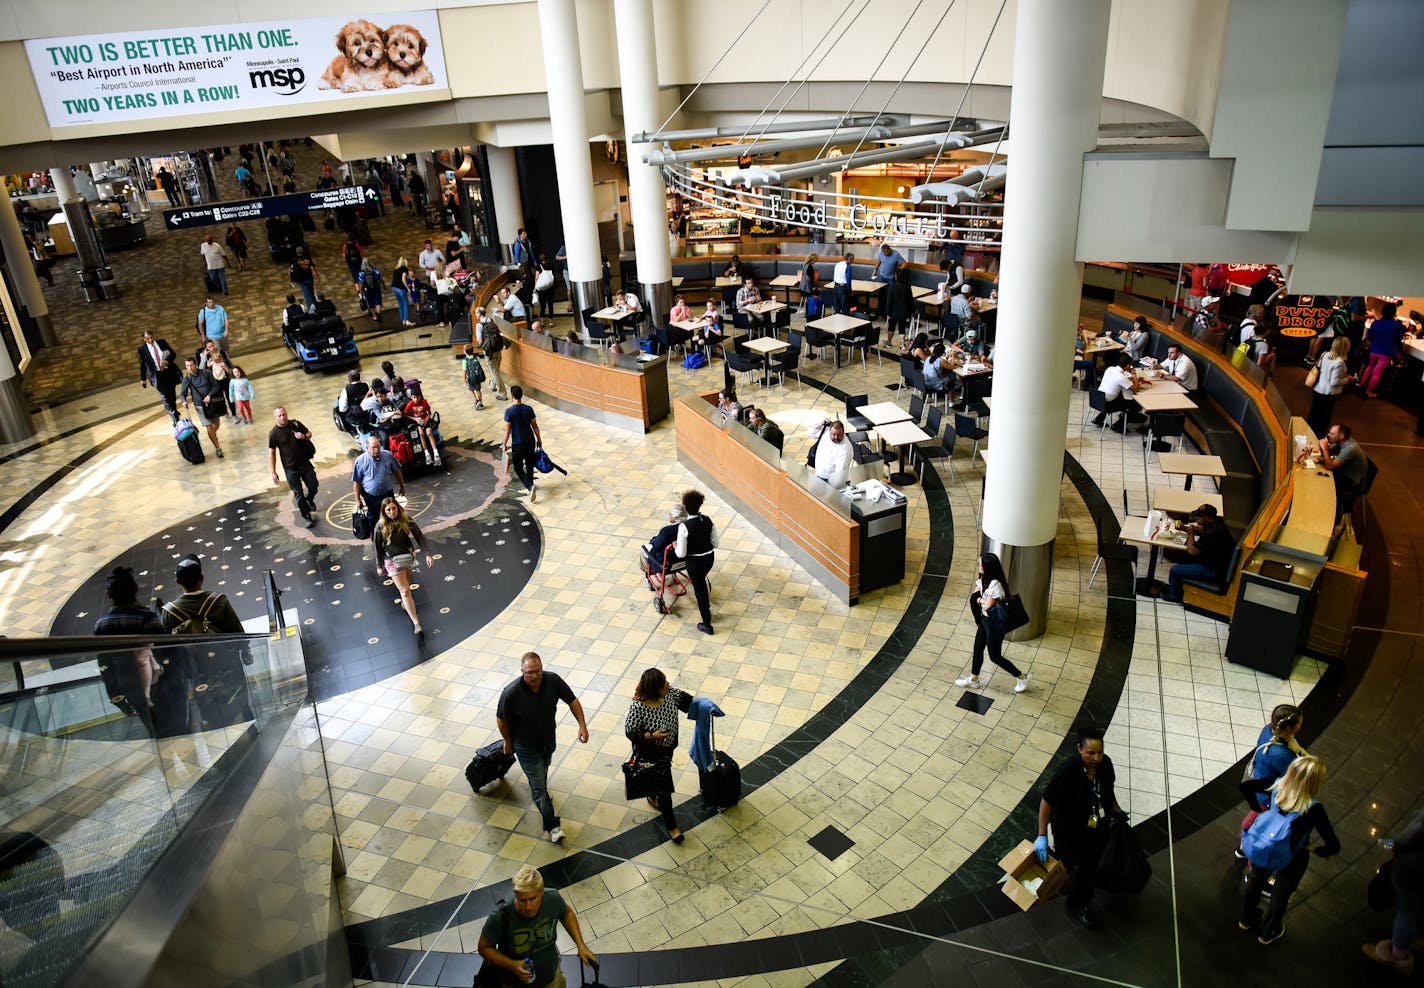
(485, 542)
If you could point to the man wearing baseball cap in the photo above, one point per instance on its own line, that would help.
(219, 683)
(1206, 556)
(197, 603)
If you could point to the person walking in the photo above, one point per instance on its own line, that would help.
(651, 727)
(292, 440)
(212, 323)
(525, 716)
(157, 366)
(1332, 375)
(302, 275)
(240, 395)
(1385, 336)
(400, 288)
(990, 590)
(1077, 803)
(397, 537)
(215, 256)
(237, 243)
(522, 938)
(697, 543)
(169, 186)
(474, 376)
(371, 288)
(1407, 880)
(1278, 843)
(206, 399)
(521, 439)
(375, 476)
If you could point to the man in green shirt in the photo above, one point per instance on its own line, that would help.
(527, 930)
(767, 429)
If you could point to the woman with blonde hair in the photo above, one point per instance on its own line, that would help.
(651, 727)
(1331, 378)
(396, 538)
(1278, 843)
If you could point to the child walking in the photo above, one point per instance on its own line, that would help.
(239, 393)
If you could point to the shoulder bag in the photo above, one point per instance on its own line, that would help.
(1312, 376)
(1007, 615)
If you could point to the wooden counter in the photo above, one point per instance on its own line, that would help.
(617, 390)
(813, 522)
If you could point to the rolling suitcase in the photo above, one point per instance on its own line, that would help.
(191, 449)
(722, 787)
(489, 765)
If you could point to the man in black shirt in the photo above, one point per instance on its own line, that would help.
(526, 722)
(1208, 552)
(1078, 802)
(293, 440)
(135, 680)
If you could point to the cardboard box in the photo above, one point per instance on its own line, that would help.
(1027, 880)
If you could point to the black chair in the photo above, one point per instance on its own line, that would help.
(587, 316)
(818, 339)
(729, 299)
(917, 409)
(742, 321)
(1098, 402)
(788, 361)
(907, 371)
(739, 345)
(598, 335)
(941, 449)
(967, 428)
(1371, 470)
(862, 341)
(740, 362)
(1113, 548)
(976, 389)
(781, 319)
(853, 418)
(1218, 587)
(671, 336)
(1165, 425)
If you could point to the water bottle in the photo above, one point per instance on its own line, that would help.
(529, 966)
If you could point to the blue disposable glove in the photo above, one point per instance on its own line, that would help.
(1040, 846)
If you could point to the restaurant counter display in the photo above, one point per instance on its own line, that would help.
(629, 391)
(850, 542)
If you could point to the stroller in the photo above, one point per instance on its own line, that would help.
(663, 576)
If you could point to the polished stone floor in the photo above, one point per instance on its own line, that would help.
(845, 720)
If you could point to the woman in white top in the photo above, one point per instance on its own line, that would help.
(989, 590)
(1332, 379)
(1137, 339)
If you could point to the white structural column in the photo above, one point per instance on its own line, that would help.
(22, 273)
(1059, 51)
(568, 117)
(647, 195)
(504, 190)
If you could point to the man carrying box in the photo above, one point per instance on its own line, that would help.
(1078, 802)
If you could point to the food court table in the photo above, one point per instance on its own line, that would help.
(1156, 387)
(1191, 465)
(899, 435)
(859, 287)
(723, 282)
(883, 413)
(786, 281)
(766, 346)
(615, 314)
(677, 280)
(838, 325)
(1176, 502)
(1132, 529)
(1159, 402)
(765, 309)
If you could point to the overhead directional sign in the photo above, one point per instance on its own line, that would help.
(210, 214)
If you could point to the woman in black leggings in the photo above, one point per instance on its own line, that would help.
(651, 726)
(696, 542)
(990, 589)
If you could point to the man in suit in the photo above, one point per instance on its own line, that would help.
(156, 367)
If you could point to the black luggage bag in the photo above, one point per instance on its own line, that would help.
(722, 787)
(191, 449)
(489, 765)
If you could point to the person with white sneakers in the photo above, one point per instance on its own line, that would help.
(990, 589)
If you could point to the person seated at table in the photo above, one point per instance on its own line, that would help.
(512, 308)
(1338, 452)
(1179, 368)
(630, 302)
(734, 268)
(728, 405)
(571, 343)
(711, 332)
(767, 429)
(680, 312)
(832, 454)
(959, 305)
(747, 295)
(1083, 362)
(919, 348)
(969, 344)
(939, 371)
(1118, 383)
(1138, 338)
(1206, 556)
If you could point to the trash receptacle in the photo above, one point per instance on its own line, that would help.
(1273, 604)
(108, 284)
(89, 282)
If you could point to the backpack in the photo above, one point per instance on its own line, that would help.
(1216, 280)
(474, 373)
(492, 337)
(1267, 844)
(198, 624)
(695, 360)
(400, 449)
(815, 308)
(353, 252)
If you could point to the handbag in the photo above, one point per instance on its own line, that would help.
(642, 779)
(1007, 615)
(1312, 376)
(360, 525)
(306, 449)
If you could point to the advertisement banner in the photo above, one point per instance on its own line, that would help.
(209, 214)
(166, 72)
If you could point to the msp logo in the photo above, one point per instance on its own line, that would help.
(286, 81)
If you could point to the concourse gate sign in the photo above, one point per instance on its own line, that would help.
(209, 214)
(172, 72)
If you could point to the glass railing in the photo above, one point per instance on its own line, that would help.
(110, 745)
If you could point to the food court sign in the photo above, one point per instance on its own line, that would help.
(146, 75)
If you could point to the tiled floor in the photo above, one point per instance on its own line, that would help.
(841, 717)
